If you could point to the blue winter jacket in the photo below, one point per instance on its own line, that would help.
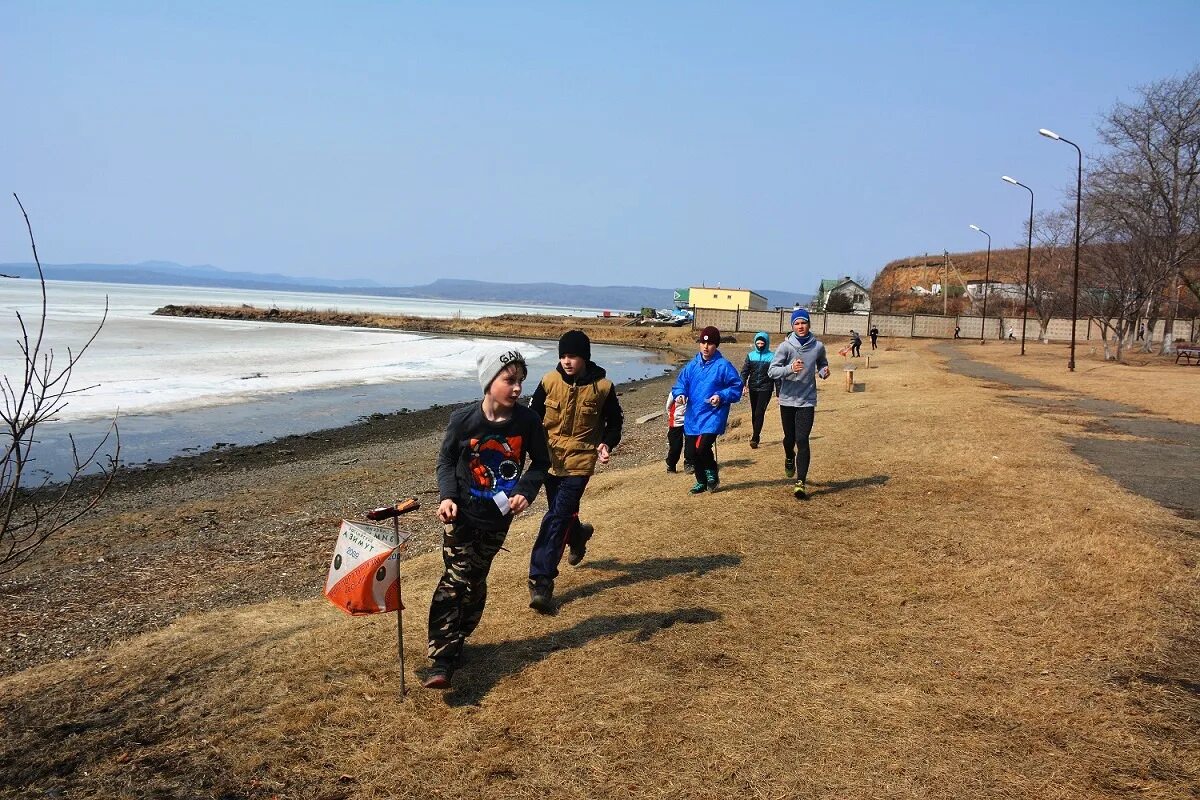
(699, 381)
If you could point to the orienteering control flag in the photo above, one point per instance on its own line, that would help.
(363, 578)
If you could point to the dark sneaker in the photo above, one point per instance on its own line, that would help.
(799, 492)
(714, 479)
(439, 675)
(578, 544)
(789, 467)
(688, 468)
(700, 486)
(754, 444)
(541, 598)
(671, 469)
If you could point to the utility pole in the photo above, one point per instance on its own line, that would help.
(945, 278)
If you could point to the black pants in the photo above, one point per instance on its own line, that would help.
(699, 450)
(460, 595)
(759, 400)
(854, 348)
(797, 425)
(675, 447)
(874, 340)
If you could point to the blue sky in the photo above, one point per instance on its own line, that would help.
(759, 144)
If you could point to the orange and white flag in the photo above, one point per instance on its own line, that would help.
(366, 564)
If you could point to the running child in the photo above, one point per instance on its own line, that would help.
(758, 384)
(483, 482)
(578, 407)
(710, 384)
(798, 360)
(675, 413)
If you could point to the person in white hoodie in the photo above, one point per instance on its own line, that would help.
(797, 363)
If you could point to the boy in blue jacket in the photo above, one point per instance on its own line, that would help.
(711, 384)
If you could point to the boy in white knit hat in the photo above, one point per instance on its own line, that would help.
(483, 481)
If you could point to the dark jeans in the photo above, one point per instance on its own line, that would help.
(563, 496)
(759, 400)
(874, 341)
(797, 425)
(854, 348)
(460, 595)
(699, 450)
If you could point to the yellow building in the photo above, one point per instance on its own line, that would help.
(729, 299)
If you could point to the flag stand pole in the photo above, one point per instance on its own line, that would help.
(399, 607)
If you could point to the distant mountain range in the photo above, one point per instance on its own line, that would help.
(166, 273)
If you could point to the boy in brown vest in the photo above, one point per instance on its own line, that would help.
(579, 409)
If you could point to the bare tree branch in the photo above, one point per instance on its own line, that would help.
(29, 515)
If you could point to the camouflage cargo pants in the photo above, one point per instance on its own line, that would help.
(461, 593)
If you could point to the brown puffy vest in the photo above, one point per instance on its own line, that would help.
(573, 422)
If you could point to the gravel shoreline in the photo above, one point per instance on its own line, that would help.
(242, 525)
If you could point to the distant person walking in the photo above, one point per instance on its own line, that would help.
(957, 330)
(797, 362)
(874, 336)
(758, 384)
(855, 344)
(578, 406)
(710, 384)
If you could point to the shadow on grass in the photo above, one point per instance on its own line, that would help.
(729, 487)
(840, 486)
(485, 665)
(736, 462)
(651, 569)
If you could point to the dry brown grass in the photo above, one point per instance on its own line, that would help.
(962, 610)
(1144, 380)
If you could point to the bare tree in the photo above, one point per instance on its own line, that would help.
(32, 512)
(1050, 266)
(1146, 189)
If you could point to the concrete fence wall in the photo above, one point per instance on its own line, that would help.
(920, 325)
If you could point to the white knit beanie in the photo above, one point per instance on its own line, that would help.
(490, 362)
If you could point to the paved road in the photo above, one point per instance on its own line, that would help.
(1162, 464)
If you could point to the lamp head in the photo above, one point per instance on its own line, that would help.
(1013, 181)
(1048, 134)
(975, 228)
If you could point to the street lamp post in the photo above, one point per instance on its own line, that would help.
(1078, 201)
(987, 271)
(1028, 257)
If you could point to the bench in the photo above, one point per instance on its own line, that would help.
(1187, 352)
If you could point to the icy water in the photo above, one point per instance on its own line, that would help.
(179, 385)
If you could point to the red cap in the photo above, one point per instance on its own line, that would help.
(710, 334)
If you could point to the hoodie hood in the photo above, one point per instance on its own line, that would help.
(765, 337)
(591, 373)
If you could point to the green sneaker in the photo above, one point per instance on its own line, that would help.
(799, 492)
(714, 480)
(700, 486)
(789, 467)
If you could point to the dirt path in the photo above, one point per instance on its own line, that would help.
(1155, 457)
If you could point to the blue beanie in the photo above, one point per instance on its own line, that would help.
(800, 313)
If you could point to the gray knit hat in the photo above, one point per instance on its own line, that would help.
(490, 362)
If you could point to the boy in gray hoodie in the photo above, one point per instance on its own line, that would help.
(798, 360)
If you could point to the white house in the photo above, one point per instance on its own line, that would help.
(858, 297)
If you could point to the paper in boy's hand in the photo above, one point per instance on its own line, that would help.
(501, 502)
